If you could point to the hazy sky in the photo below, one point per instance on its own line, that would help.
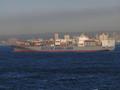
(38, 16)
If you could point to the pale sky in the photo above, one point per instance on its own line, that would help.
(38, 16)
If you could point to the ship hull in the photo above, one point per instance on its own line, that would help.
(77, 49)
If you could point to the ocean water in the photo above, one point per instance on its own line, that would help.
(59, 71)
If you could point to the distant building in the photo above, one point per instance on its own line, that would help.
(56, 36)
(103, 36)
(67, 37)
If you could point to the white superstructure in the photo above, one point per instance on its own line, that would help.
(106, 41)
(81, 40)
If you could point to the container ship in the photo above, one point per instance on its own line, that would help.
(78, 44)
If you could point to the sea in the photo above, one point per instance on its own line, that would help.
(59, 71)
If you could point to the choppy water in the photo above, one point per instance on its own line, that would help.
(59, 71)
